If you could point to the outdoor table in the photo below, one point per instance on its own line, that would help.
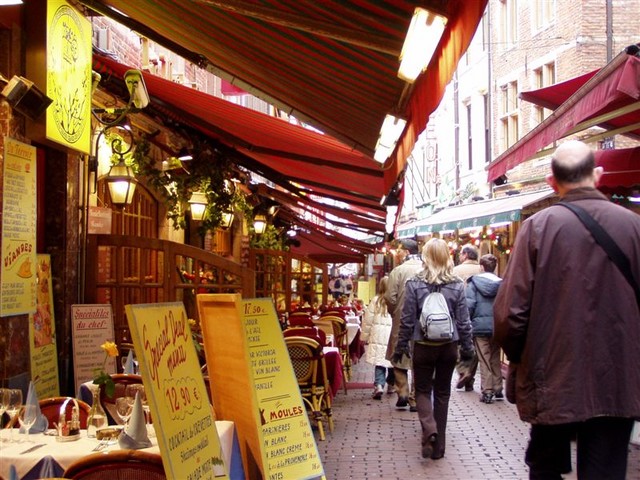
(55, 456)
(333, 362)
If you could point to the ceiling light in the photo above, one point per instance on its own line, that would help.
(391, 129)
(422, 38)
(6, 3)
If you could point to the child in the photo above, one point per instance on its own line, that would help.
(376, 328)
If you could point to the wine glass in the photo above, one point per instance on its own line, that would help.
(124, 408)
(14, 402)
(4, 399)
(27, 417)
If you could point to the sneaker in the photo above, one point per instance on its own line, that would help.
(377, 392)
(499, 396)
(468, 388)
(402, 402)
(487, 397)
(413, 408)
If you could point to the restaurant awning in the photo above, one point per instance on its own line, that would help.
(300, 160)
(478, 214)
(553, 96)
(610, 100)
(621, 169)
(331, 64)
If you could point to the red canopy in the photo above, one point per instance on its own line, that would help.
(553, 96)
(610, 99)
(301, 158)
(621, 168)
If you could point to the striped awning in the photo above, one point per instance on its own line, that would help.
(328, 63)
(478, 214)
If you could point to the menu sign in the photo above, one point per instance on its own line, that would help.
(177, 395)
(91, 326)
(288, 444)
(17, 278)
(42, 334)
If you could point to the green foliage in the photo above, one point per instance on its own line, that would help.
(271, 239)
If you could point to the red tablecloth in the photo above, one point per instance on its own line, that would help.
(333, 361)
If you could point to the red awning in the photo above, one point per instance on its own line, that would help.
(331, 64)
(302, 158)
(621, 169)
(610, 99)
(553, 96)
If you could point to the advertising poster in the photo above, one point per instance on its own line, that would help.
(187, 437)
(91, 326)
(18, 270)
(42, 334)
(288, 443)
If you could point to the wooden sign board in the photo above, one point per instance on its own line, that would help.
(91, 326)
(185, 427)
(42, 334)
(247, 356)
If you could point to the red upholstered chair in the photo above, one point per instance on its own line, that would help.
(300, 319)
(117, 464)
(312, 332)
(50, 408)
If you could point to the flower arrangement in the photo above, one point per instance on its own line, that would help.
(100, 377)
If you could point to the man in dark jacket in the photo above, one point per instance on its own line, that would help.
(569, 319)
(480, 293)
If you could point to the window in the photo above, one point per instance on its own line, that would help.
(543, 13)
(508, 22)
(508, 115)
(544, 77)
(469, 137)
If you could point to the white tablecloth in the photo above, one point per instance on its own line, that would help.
(65, 453)
(352, 330)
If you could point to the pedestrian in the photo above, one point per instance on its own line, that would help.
(376, 328)
(467, 267)
(409, 263)
(569, 321)
(481, 292)
(433, 362)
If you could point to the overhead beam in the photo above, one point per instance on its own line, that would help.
(291, 20)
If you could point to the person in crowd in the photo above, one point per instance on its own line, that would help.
(481, 291)
(569, 322)
(409, 263)
(433, 362)
(376, 328)
(467, 267)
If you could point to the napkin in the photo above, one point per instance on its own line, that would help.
(135, 435)
(50, 468)
(13, 474)
(41, 423)
(128, 364)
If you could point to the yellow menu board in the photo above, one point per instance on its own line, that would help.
(185, 427)
(17, 278)
(289, 448)
(42, 334)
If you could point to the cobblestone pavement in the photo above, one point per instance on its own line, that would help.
(373, 439)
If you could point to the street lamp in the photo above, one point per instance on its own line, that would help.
(260, 224)
(198, 204)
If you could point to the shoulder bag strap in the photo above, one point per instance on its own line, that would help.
(607, 243)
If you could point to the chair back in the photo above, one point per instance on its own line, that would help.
(121, 380)
(300, 319)
(50, 408)
(117, 464)
(312, 332)
(305, 354)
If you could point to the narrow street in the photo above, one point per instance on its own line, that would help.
(373, 439)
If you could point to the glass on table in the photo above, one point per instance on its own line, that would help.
(13, 405)
(124, 408)
(27, 417)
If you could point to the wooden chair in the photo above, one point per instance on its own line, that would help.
(340, 340)
(117, 465)
(312, 332)
(50, 408)
(309, 366)
(121, 381)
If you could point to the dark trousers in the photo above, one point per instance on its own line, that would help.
(602, 449)
(432, 369)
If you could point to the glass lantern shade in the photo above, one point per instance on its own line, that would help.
(122, 184)
(198, 204)
(260, 224)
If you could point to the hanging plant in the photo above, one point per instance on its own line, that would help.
(271, 239)
(209, 172)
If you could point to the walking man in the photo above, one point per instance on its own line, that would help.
(410, 263)
(570, 321)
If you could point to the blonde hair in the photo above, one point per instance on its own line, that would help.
(438, 267)
(380, 305)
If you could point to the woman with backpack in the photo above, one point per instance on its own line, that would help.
(434, 360)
